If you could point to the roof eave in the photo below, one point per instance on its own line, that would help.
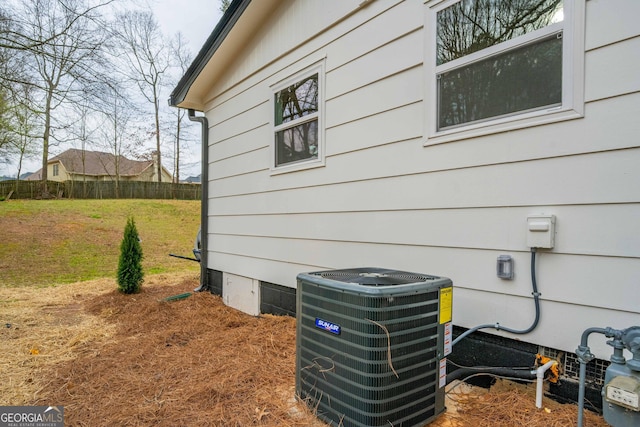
(215, 39)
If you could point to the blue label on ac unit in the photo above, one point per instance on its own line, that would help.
(328, 326)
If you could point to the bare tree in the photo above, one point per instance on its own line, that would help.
(83, 131)
(14, 37)
(147, 56)
(116, 132)
(68, 42)
(24, 130)
(6, 130)
(9, 71)
(182, 56)
(224, 5)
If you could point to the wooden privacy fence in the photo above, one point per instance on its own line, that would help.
(101, 190)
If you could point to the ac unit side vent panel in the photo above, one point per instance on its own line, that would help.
(369, 354)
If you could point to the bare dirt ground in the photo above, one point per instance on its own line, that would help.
(136, 360)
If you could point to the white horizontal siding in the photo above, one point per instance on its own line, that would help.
(580, 229)
(562, 278)
(387, 21)
(274, 48)
(613, 71)
(253, 117)
(399, 89)
(592, 134)
(394, 125)
(560, 326)
(608, 177)
(610, 21)
(406, 52)
(385, 200)
(248, 140)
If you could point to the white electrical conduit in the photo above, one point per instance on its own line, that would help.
(540, 378)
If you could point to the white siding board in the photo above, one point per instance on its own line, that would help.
(608, 125)
(385, 25)
(249, 162)
(252, 118)
(406, 52)
(591, 134)
(609, 177)
(264, 55)
(397, 90)
(579, 229)
(247, 98)
(560, 327)
(398, 124)
(256, 182)
(294, 29)
(609, 21)
(385, 200)
(251, 140)
(613, 70)
(300, 21)
(594, 281)
(283, 273)
(561, 278)
(367, 31)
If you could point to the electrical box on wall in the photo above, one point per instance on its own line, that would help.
(541, 231)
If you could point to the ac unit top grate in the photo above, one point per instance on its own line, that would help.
(374, 276)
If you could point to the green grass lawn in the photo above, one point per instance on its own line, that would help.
(49, 242)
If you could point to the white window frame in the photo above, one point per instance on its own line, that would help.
(316, 68)
(572, 107)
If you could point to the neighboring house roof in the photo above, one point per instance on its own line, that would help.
(100, 163)
(221, 32)
(97, 163)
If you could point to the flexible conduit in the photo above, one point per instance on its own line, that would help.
(497, 326)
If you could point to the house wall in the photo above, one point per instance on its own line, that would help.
(62, 172)
(150, 174)
(385, 199)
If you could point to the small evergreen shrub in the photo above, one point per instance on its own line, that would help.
(130, 274)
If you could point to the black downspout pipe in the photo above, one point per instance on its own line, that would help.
(204, 184)
(461, 373)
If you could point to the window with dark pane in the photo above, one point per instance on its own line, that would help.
(519, 80)
(514, 76)
(296, 122)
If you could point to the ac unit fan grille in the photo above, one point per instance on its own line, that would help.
(374, 277)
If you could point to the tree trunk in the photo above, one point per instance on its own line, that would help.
(158, 135)
(44, 190)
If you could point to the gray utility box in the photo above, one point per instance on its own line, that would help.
(370, 346)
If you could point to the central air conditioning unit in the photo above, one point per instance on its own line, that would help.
(371, 346)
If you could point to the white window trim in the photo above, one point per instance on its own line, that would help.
(319, 68)
(572, 77)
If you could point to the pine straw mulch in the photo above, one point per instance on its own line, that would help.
(134, 360)
(508, 404)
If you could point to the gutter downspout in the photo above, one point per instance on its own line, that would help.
(204, 184)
